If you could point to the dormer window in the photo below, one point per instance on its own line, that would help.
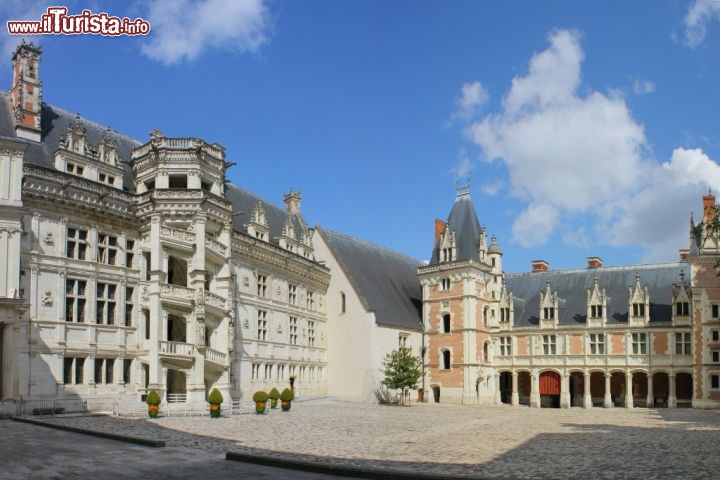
(682, 309)
(548, 313)
(446, 254)
(505, 314)
(596, 311)
(638, 309)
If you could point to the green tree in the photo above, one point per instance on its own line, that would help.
(402, 370)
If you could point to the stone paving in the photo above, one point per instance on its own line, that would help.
(440, 439)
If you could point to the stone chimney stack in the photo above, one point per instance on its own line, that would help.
(26, 91)
(439, 229)
(708, 207)
(539, 266)
(594, 262)
(292, 205)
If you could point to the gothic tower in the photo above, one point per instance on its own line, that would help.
(461, 293)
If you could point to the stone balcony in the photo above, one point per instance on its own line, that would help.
(176, 294)
(176, 350)
(216, 357)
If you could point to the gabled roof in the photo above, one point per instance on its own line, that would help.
(463, 220)
(572, 285)
(384, 280)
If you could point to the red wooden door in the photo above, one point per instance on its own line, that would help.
(549, 383)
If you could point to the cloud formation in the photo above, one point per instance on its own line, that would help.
(184, 29)
(472, 97)
(699, 15)
(20, 10)
(642, 87)
(581, 159)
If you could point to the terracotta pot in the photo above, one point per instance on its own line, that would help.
(153, 411)
(260, 407)
(285, 406)
(273, 403)
(214, 410)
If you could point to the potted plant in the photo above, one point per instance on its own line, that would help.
(286, 397)
(215, 399)
(153, 400)
(274, 395)
(260, 398)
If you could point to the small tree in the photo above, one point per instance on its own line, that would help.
(402, 370)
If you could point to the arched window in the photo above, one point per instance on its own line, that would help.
(485, 352)
(445, 361)
(342, 302)
(445, 328)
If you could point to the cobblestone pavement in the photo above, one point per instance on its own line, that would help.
(440, 439)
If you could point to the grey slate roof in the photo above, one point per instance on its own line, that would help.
(385, 280)
(463, 220)
(572, 285)
(244, 203)
(54, 123)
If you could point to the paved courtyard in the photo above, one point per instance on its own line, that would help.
(438, 439)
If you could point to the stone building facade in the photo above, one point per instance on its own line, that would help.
(642, 335)
(136, 266)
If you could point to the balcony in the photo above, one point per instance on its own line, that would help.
(215, 247)
(176, 294)
(178, 350)
(214, 300)
(215, 356)
(177, 237)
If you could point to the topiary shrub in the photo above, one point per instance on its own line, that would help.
(215, 397)
(260, 397)
(287, 395)
(152, 398)
(274, 394)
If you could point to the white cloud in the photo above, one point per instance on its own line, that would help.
(562, 150)
(535, 224)
(642, 87)
(463, 167)
(184, 29)
(492, 188)
(472, 97)
(581, 159)
(698, 16)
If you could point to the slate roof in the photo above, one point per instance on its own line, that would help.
(463, 220)
(54, 123)
(385, 280)
(244, 203)
(572, 285)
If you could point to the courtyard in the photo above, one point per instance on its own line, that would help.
(449, 440)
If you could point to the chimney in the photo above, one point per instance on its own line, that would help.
(708, 207)
(594, 262)
(26, 91)
(439, 229)
(292, 205)
(684, 252)
(540, 266)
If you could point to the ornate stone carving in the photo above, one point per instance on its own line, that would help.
(48, 239)
(246, 324)
(279, 329)
(246, 282)
(145, 296)
(47, 299)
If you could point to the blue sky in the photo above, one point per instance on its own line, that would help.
(587, 128)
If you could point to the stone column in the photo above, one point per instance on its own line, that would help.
(672, 397)
(587, 397)
(565, 391)
(607, 401)
(515, 396)
(628, 390)
(534, 390)
(498, 397)
(650, 397)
